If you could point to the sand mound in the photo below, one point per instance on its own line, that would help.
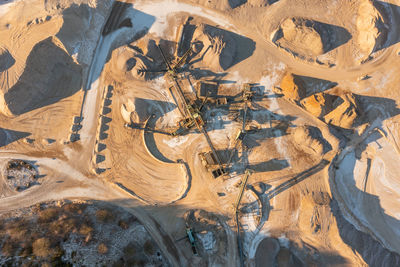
(300, 36)
(292, 87)
(128, 112)
(129, 64)
(309, 39)
(34, 89)
(370, 27)
(220, 45)
(319, 104)
(310, 140)
(340, 110)
(344, 113)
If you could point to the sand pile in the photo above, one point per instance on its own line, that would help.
(292, 87)
(300, 36)
(319, 104)
(339, 110)
(128, 112)
(308, 39)
(310, 140)
(219, 46)
(132, 64)
(34, 89)
(371, 28)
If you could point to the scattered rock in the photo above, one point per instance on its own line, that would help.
(20, 175)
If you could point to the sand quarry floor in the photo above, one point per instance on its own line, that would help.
(83, 98)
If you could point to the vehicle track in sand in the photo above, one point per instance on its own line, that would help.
(72, 184)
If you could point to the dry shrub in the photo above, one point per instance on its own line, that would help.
(136, 262)
(57, 228)
(41, 247)
(104, 215)
(102, 248)
(148, 247)
(123, 224)
(130, 250)
(9, 248)
(75, 208)
(85, 229)
(27, 250)
(18, 231)
(44, 248)
(119, 263)
(70, 225)
(48, 215)
(131, 220)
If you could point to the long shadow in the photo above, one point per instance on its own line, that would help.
(9, 136)
(49, 76)
(359, 241)
(121, 15)
(6, 60)
(314, 85)
(189, 173)
(392, 37)
(263, 115)
(271, 165)
(252, 138)
(242, 46)
(297, 179)
(236, 3)
(146, 107)
(156, 109)
(73, 29)
(374, 108)
(270, 252)
(204, 73)
(186, 37)
(363, 243)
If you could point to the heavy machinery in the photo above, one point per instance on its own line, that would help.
(243, 184)
(236, 206)
(171, 69)
(246, 96)
(190, 236)
(191, 113)
(189, 122)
